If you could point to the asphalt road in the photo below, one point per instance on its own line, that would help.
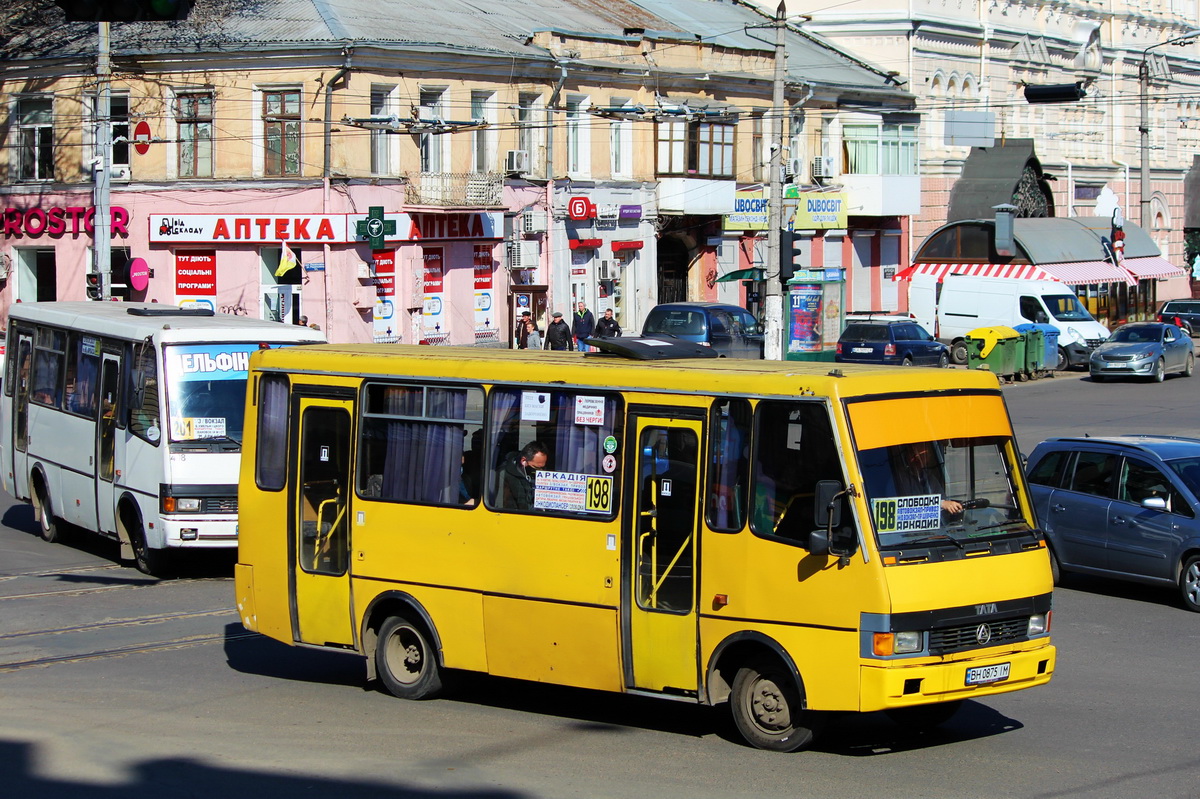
(113, 684)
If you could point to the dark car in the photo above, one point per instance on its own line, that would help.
(1184, 313)
(1126, 507)
(890, 341)
(729, 329)
(1146, 349)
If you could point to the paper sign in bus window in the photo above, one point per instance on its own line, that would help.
(535, 406)
(907, 514)
(589, 410)
(572, 492)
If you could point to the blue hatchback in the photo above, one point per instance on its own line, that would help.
(1124, 506)
(890, 341)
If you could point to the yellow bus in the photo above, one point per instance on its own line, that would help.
(788, 538)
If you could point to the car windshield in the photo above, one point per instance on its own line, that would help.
(207, 391)
(955, 491)
(1067, 308)
(1136, 335)
(1188, 470)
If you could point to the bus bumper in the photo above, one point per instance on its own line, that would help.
(200, 533)
(895, 685)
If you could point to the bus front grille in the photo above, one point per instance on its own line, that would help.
(978, 636)
(220, 505)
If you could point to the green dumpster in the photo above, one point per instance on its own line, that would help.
(993, 348)
(1035, 349)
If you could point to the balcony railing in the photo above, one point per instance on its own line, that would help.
(470, 189)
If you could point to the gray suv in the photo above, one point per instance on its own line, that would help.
(730, 330)
(1126, 507)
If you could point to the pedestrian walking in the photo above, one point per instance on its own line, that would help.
(521, 329)
(533, 336)
(558, 334)
(607, 327)
(583, 325)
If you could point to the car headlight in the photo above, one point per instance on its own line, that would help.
(905, 643)
(1039, 624)
(181, 504)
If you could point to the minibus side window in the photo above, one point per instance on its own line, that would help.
(571, 461)
(48, 366)
(270, 463)
(728, 465)
(421, 444)
(794, 448)
(143, 391)
(83, 374)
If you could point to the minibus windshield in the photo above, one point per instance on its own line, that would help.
(951, 491)
(206, 392)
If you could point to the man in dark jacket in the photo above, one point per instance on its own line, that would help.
(607, 327)
(516, 476)
(558, 334)
(521, 331)
(583, 325)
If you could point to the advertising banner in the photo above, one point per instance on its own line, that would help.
(820, 210)
(433, 320)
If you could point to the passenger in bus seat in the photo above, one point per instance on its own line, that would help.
(517, 476)
(920, 472)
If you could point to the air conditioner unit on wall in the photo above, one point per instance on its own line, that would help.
(823, 167)
(516, 161)
(522, 255)
(534, 221)
(608, 270)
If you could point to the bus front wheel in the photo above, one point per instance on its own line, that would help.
(405, 660)
(48, 526)
(767, 710)
(148, 561)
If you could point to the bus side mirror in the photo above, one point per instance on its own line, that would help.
(827, 511)
(833, 539)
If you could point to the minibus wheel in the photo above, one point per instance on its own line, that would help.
(767, 710)
(148, 561)
(48, 526)
(405, 661)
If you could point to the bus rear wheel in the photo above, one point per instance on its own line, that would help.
(405, 661)
(48, 525)
(767, 710)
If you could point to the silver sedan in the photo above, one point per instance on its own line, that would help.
(1147, 349)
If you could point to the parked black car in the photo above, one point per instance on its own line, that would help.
(729, 329)
(1185, 313)
(899, 342)
(1126, 507)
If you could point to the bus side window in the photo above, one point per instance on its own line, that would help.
(143, 415)
(728, 465)
(794, 448)
(270, 457)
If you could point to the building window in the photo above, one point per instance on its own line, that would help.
(697, 149)
(620, 140)
(432, 152)
(381, 108)
(527, 121)
(879, 149)
(281, 128)
(758, 152)
(194, 118)
(578, 140)
(36, 122)
(481, 138)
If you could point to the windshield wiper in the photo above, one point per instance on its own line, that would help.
(929, 539)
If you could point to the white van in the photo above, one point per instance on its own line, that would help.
(962, 303)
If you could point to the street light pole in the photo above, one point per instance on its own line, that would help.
(102, 220)
(1144, 123)
(773, 327)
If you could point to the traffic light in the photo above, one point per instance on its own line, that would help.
(95, 285)
(790, 250)
(1056, 93)
(125, 10)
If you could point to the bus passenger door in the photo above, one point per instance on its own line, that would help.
(106, 442)
(320, 524)
(20, 431)
(660, 585)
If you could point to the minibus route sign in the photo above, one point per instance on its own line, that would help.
(907, 514)
(573, 492)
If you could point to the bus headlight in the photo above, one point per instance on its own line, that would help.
(1039, 624)
(905, 643)
(181, 504)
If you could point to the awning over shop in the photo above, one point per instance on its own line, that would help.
(1021, 271)
(1155, 267)
(741, 274)
(1075, 273)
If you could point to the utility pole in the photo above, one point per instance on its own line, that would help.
(102, 221)
(773, 344)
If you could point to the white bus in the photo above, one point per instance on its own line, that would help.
(125, 419)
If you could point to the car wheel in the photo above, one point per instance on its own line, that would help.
(907, 361)
(1189, 583)
(1160, 371)
(1189, 365)
(943, 361)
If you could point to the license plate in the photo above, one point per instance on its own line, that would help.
(861, 350)
(982, 675)
(1114, 366)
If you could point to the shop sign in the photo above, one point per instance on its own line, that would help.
(196, 273)
(622, 246)
(60, 220)
(423, 227)
(750, 211)
(319, 228)
(585, 244)
(431, 310)
(820, 210)
(580, 208)
(630, 212)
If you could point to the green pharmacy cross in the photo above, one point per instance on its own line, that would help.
(375, 227)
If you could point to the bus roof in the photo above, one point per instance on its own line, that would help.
(114, 319)
(714, 375)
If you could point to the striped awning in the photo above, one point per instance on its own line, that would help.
(1153, 267)
(1075, 273)
(1020, 271)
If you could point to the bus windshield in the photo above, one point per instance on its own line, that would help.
(949, 491)
(207, 391)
